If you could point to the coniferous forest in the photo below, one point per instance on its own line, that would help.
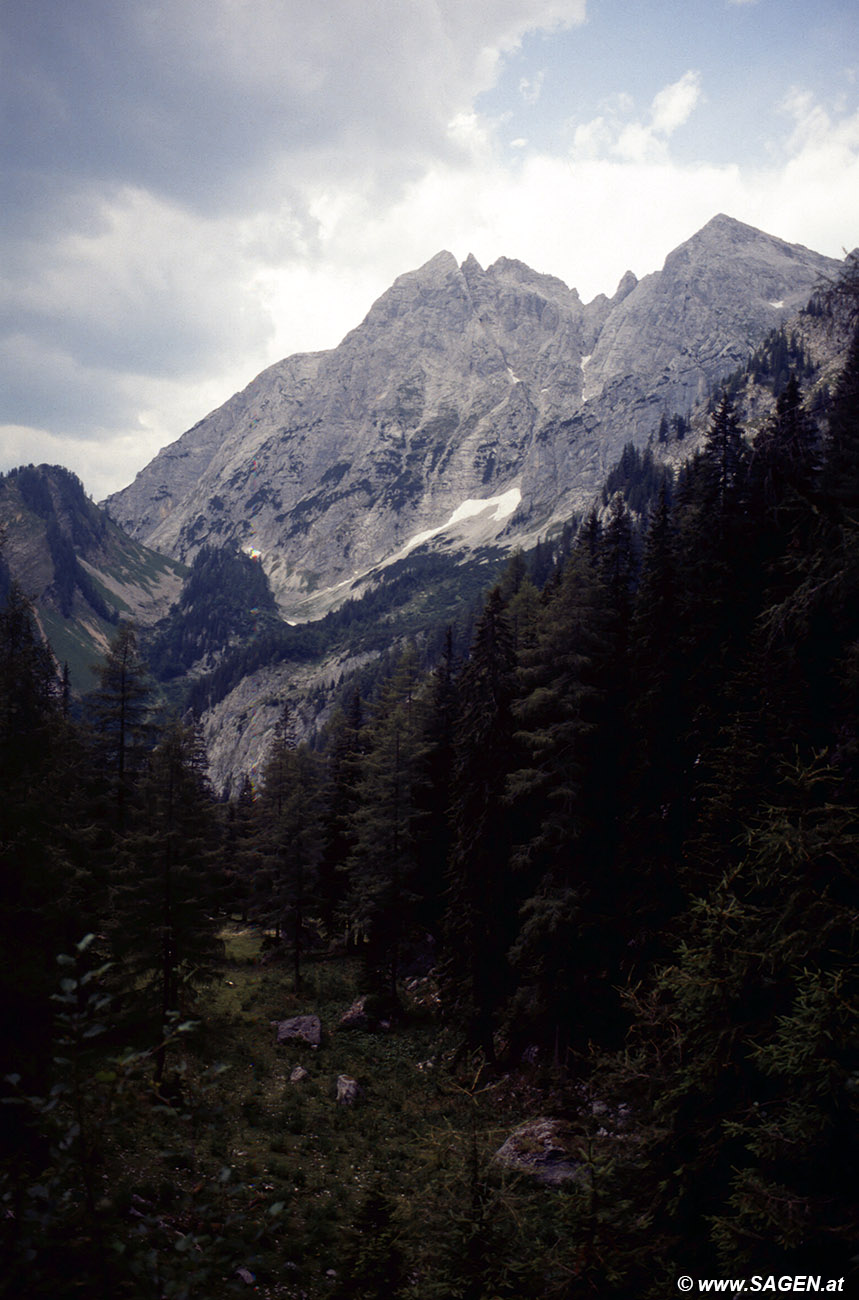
(601, 870)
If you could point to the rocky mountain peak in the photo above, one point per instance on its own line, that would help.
(462, 385)
(627, 283)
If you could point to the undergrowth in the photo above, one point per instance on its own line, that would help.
(235, 1177)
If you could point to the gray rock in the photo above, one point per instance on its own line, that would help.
(298, 1074)
(348, 1090)
(496, 388)
(356, 1017)
(539, 1150)
(304, 1029)
(460, 384)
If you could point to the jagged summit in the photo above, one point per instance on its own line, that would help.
(461, 385)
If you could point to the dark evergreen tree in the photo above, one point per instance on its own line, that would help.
(240, 851)
(840, 483)
(163, 923)
(750, 1053)
(480, 912)
(784, 458)
(383, 867)
(434, 790)
(567, 802)
(343, 755)
(724, 459)
(33, 857)
(120, 711)
(289, 820)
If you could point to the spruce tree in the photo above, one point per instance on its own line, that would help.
(289, 815)
(343, 755)
(382, 897)
(240, 855)
(34, 865)
(480, 903)
(566, 799)
(757, 1056)
(434, 790)
(120, 711)
(657, 721)
(163, 923)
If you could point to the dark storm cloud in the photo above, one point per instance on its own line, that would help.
(157, 154)
(192, 101)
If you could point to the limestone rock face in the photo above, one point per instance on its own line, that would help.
(470, 405)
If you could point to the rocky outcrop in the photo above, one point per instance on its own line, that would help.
(471, 404)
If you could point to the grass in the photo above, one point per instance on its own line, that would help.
(233, 1166)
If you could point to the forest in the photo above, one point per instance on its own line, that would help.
(602, 868)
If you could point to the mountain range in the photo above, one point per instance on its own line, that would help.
(470, 403)
(362, 493)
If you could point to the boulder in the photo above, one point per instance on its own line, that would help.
(348, 1090)
(298, 1074)
(539, 1149)
(302, 1029)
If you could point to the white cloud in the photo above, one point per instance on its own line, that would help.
(634, 140)
(674, 105)
(208, 185)
(182, 175)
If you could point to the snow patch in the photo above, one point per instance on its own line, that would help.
(780, 303)
(503, 506)
(587, 391)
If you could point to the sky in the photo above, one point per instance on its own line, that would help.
(191, 190)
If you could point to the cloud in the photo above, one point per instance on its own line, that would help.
(635, 140)
(674, 105)
(199, 187)
(198, 101)
(165, 163)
